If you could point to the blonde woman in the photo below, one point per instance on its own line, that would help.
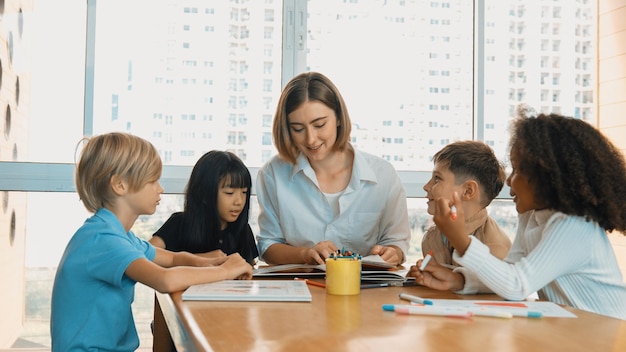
(320, 194)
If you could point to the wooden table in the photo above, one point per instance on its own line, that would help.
(358, 323)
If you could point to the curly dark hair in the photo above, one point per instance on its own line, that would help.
(573, 168)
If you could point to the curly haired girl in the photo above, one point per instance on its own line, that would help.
(568, 183)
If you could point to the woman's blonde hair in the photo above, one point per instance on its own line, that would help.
(133, 159)
(308, 86)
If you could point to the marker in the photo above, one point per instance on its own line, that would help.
(392, 307)
(415, 299)
(484, 312)
(517, 311)
(526, 313)
(494, 313)
(375, 285)
(453, 212)
(432, 310)
(502, 304)
(426, 260)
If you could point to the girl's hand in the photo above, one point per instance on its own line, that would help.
(214, 254)
(436, 276)
(453, 227)
(236, 268)
(213, 261)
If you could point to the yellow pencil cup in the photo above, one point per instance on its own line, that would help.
(343, 276)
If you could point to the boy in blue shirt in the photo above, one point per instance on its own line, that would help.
(117, 179)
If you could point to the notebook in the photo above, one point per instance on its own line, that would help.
(373, 269)
(250, 290)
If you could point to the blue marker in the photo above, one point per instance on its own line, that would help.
(526, 313)
(389, 307)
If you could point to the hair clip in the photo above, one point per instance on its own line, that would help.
(526, 111)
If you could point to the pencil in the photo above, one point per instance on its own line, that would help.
(310, 282)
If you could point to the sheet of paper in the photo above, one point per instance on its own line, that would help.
(250, 290)
(547, 309)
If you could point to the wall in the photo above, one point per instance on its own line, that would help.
(612, 70)
(14, 111)
(612, 88)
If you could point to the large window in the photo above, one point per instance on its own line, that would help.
(405, 69)
(191, 76)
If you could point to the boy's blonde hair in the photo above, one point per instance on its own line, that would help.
(133, 159)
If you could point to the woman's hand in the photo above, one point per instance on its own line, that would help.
(390, 254)
(318, 253)
(436, 276)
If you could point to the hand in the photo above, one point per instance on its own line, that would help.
(453, 229)
(318, 253)
(236, 268)
(214, 254)
(190, 259)
(436, 276)
(213, 261)
(390, 254)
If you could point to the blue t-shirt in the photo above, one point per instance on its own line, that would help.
(91, 296)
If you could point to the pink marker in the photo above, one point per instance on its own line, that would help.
(434, 310)
(453, 212)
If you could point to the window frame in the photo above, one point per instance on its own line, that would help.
(59, 177)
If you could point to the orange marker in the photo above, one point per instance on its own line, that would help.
(453, 212)
(503, 304)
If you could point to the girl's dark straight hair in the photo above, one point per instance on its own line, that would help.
(201, 217)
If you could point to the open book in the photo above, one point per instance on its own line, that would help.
(250, 290)
(373, 269)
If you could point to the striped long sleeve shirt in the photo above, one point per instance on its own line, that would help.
(565, 259)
